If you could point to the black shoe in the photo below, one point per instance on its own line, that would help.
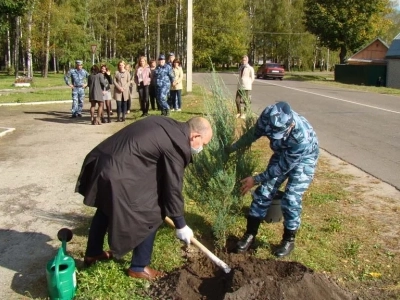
(244, 244)
(103, 120)
(73, 116)
(167, 112)
(284, 248)
(80, 115)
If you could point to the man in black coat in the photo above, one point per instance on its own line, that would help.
(134, 178)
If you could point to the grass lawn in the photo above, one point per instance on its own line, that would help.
(7, 82)
(52, 88)
(332, 238)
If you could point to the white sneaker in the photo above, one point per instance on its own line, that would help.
(238, 116)
(172, 109)
(243, 116)
(179, 109)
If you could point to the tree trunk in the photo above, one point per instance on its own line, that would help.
(114, 53)
(8, 44)
(342, 54)
(54, 60)
(29, 44)
(158, 33)
(47, 56)
(176, 26)
(144, 7)
(16, 45)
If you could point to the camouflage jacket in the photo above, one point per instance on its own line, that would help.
(76, 78)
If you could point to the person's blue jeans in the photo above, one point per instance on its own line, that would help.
(176, 97)
(141, 255)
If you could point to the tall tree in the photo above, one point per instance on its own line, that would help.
(346, 24)
(15, 9)
(218, 36)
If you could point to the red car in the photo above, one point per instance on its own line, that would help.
(270, 70)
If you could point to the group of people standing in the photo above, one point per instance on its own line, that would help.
(159, 86)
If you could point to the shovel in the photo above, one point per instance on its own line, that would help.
(207, 252)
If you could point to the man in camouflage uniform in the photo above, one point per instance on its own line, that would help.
(164, 78)
(295, 146)
(76, 79)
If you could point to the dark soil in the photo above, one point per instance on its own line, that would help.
(250, 278)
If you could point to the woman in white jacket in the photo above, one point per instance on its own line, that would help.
(177, 85)
(245, 83)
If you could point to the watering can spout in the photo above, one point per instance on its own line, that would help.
(61, 272)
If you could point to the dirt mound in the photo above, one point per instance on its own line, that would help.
(250, 278)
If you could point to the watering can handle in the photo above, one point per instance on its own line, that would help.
(60, 254)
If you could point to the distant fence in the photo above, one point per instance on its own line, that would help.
(374, 75)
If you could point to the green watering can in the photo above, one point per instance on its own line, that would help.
(60, 271)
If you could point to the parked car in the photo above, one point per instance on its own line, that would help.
(270, 70)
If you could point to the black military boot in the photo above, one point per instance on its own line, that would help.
(250, 236)
(287, 244)
(167, 112)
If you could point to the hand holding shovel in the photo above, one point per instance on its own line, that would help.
(207, 252)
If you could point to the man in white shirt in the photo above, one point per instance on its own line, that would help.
(245, 82)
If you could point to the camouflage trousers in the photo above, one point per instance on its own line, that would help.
(162, 97)
(298, 181)
(78, 95)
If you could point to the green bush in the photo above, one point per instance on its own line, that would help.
(215, 175)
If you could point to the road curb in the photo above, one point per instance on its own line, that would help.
(35, 103)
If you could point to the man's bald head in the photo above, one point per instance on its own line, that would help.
(200, 126)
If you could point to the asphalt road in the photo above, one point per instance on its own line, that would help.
(360, 128)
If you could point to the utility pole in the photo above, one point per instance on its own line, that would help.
(189, 54)
(158, 34)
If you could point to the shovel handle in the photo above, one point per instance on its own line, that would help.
(207, 252)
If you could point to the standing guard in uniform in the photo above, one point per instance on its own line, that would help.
(76, 79)
(164, 77)
(295, 146)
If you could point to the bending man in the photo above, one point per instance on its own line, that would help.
(134, 178)
(295, 147)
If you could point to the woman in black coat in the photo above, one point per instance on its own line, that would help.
(96, 85)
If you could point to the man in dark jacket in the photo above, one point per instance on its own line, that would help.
(134, 178)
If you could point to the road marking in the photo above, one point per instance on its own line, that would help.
(335, 98)
(7, 130)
